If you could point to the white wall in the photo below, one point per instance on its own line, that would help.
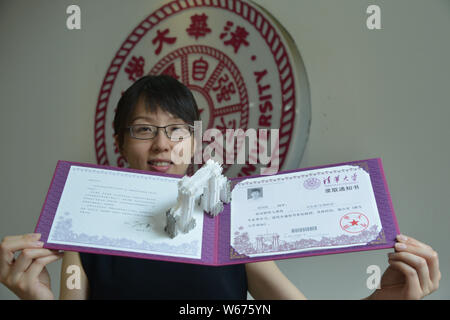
(374, 94)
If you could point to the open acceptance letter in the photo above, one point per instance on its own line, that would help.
(323, 210)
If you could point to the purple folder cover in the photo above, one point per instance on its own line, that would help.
(216, 244)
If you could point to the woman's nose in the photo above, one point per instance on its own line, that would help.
(161, 141)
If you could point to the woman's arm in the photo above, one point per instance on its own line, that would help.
(66, 293)
(267, 282)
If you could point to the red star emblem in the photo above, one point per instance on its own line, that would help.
(354, 223)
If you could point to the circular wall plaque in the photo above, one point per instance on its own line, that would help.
(242, 66)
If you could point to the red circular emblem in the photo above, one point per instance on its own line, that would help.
(242, 68)
(354, 222)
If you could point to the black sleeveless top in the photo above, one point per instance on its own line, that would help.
(115, 277)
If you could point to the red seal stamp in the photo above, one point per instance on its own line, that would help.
(242, 67)
(354, 222)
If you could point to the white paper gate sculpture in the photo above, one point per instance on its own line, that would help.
(208, 188)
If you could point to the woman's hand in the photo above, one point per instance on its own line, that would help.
(26, 275)
(413, 271)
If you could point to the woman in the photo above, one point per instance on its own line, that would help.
(144, 123)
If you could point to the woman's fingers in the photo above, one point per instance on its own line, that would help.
(10, 245)
(24, 261)
(39, 264)
(14, 243)
(420, 267)
(424, 251)
(23, 274)
(413, 287)
(410, 240)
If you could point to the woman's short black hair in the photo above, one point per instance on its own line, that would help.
(162, 91)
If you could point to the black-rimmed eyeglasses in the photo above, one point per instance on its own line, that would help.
(175, 132)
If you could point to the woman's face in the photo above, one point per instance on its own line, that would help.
(154, 154)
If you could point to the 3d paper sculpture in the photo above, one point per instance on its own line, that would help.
(208, 188)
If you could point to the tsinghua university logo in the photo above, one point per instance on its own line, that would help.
(243, 68)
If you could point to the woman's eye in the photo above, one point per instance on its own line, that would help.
(175, 128)
(144, 129)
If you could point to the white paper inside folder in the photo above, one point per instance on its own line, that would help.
(208, 188)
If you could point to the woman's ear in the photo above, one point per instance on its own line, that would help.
(118, 148)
